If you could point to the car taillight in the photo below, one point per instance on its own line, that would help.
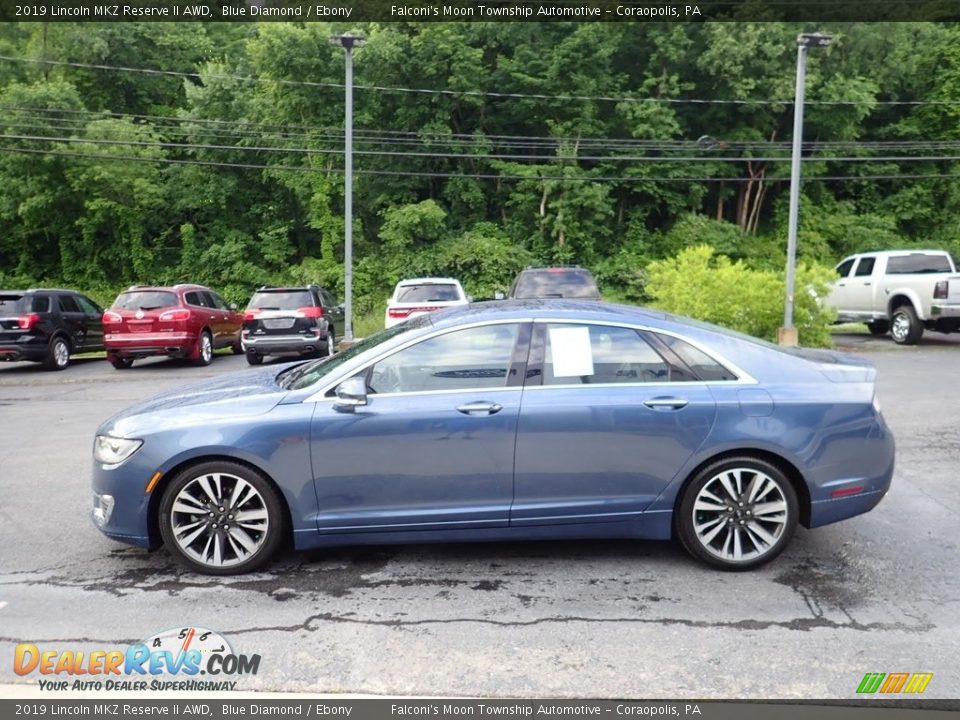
(250, 315)
(941, 290)
(311, 312)
(26, 322)
(406, 312)
(173, 315)
(111, 318)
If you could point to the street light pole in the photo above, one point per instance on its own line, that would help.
(787, 335)
(348, 42)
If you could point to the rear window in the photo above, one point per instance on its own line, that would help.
(556, 283)
(428, 292)
(918, 263)
(16, 304)
(281, 300)
(145, 300)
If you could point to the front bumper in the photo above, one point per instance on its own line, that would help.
(128, 518)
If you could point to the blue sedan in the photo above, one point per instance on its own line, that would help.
(503, 421)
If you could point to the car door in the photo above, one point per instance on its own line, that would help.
(228, 326)
(433, 447)
(840, 295)
(605, 425)
(94, 322)
(73, 320)
(860, 287)
(332, 309)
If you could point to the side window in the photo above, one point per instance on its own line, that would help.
(193, 298)
(68, 304)
(40, 304)
(705, 367)
(88, 306)
(474, 358)
(865, 268)
(327, 298)
(591, 354)
(215, 301)
(843, 269)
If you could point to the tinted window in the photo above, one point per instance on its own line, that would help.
(37, 303)
(68, 304)
(429, 292)
(865, 267)
(843, 269)
(917, 263)
(327, 299)
(461, 360)
(591, 354)
(215, 301)
(556, 283)
(281, 300)
(145, 300)
(88, 306)
(705, 367)
(10, 305)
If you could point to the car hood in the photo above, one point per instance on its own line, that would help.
(236, 395)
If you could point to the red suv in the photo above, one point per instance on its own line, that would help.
(183, 321)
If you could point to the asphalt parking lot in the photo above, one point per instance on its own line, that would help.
(879, 593)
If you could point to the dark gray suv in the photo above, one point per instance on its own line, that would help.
(568, 281)
(48, 325)
(290, 321)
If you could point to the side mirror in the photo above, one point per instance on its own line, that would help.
(351, 394)
(469, 298)
(499, 295)
(233, 306)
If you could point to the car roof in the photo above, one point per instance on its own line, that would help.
(164, 288)
(550, 307)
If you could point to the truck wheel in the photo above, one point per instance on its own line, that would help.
(905, 326)
(878, 327)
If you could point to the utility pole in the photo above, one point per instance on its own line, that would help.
(787, 335)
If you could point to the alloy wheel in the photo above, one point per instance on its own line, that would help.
(61, 353)
(900, 327)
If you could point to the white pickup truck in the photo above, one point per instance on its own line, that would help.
(900, 291)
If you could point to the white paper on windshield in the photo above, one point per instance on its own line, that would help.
(570, 351)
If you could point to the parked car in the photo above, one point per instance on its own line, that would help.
(633, 424)
(182, 321)
(900, 291)
(48, 325)
(422, 295)
(554, 282)
(297, 320)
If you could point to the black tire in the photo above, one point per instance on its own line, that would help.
(237, 348)
(223, 475)
(760, 540)
(879, 327)
(121, 363)
(254, 358)
(204, 349)
(58, 354)
(905, 326)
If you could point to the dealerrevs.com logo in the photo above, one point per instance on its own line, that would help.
(171, 660)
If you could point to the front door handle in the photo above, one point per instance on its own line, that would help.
(480, 407)
(666, 402)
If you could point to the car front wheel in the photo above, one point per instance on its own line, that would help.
(221, 518)
(738, 513)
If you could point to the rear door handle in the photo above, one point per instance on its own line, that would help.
(670, 403)
(480, 407)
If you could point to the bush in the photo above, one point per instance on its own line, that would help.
(709, 287)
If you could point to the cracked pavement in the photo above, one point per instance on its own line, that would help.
(878, 593)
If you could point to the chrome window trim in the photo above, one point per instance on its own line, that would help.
(743, 377)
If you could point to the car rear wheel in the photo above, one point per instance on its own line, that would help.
(204, 349)
(905, 326)
(58, 354)
(331, 342)
(738, 513)
(254, 358)
(120, 363)
(221, 518)
(878, 327)
(237, 348)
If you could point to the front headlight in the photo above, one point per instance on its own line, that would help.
(111, 450)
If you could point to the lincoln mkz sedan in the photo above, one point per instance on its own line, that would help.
(498, 421)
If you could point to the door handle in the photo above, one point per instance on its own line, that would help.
(666, 402)
(480, 407)
(842, 284)
(866, 283)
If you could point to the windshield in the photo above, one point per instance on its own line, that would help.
(556, 283)
(281, 300)
(305, 375)
(428, 292)
(145, 300)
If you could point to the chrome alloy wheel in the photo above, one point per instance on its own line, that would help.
(206, 348)
(61, 353)
(331, 344)
(900, 327)
(740, 514)
(219, 520)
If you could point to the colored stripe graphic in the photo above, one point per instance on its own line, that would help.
(871, 682)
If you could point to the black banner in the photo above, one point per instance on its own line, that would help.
(351, 11)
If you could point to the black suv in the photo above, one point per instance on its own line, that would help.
(298, 320)
(554, 282)
(48, 325)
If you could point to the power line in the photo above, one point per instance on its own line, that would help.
(473, 93)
